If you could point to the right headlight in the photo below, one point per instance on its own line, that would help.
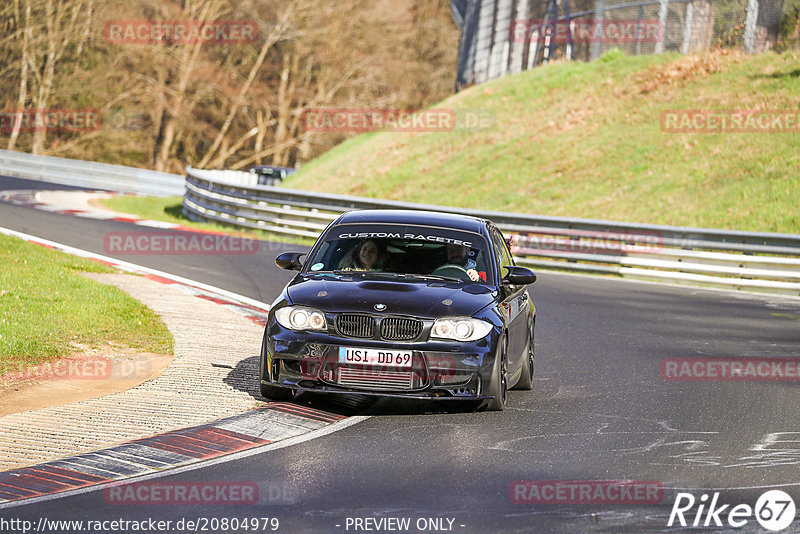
(460, 328)
(301, 318)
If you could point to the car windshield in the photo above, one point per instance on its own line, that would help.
(404, 251)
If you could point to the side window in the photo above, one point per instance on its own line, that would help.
(504, 258)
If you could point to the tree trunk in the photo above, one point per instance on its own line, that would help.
(237, 102)
(48, 72)
(209, 11)
(57, 40)
(23, 79)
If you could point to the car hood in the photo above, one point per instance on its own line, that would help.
(420, 298)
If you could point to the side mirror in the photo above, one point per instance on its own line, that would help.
(290, 260)
(518, 276)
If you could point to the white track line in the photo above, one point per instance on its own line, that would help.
(133, 268)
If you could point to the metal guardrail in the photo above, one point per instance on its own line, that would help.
(759, 261)
(89, 174)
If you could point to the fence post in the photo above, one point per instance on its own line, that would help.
(750, 26)
(465, 14)
(483, 40)
(599, 17)
(639, 18)
(662, 22)
(687, 29)
(533, 48)
(500, 41)
(570, 28)
(519, 38)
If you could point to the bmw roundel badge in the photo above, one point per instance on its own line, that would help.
(380, 307)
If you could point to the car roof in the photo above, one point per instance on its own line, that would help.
(427, 218)
(289, 170)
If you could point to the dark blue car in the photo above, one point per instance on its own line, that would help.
(402, 303)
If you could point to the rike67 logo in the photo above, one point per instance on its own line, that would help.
(774, 510)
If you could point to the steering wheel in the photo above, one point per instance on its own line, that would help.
(452, 270)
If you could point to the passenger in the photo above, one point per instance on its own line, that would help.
(367, 255)
(459, 255)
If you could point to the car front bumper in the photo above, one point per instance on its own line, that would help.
(446, 370)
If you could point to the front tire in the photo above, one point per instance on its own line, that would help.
(498, 387)
(269, 391)
(526, 378)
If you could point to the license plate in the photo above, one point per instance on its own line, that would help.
(386, 358)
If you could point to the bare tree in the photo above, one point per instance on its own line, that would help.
(60, 21)
(314, 65)
(273, 37)
(26, 30)
(209, 105)
(202, 11)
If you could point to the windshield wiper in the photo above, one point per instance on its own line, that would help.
(405, 276)
(352, 272)
(436, 277)
(387, 274)
(339, 272)
(366, 273)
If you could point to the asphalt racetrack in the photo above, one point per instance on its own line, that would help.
(601, 410)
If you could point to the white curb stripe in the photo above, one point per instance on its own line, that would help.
(137, 269)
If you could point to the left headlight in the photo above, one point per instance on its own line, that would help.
(460, 328)
(301, 318)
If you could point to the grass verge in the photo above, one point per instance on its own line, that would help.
(586, 140)
(46, 306)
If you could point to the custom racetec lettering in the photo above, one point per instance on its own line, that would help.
(394, 235)
(367, 235)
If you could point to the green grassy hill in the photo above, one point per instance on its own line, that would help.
(586, 140)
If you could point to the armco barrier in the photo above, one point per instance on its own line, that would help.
(756, 261)
(89, 174)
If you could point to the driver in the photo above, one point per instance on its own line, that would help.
(367, 255)
(459, 255)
